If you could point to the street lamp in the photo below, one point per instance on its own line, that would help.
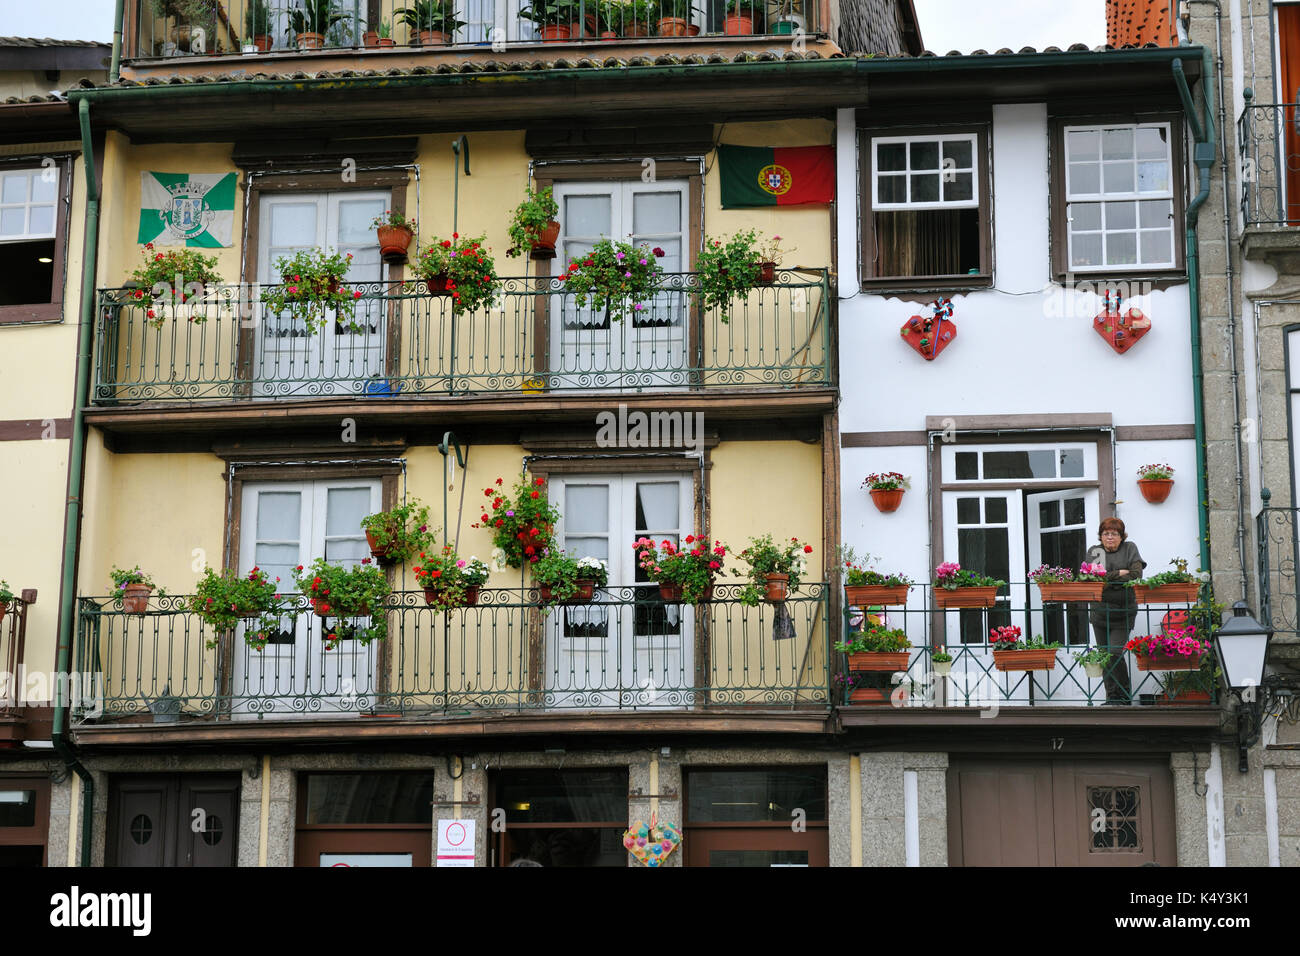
(1242, 648)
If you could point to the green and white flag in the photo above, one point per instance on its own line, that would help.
(191, 209)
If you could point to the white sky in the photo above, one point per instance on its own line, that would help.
(964, 25)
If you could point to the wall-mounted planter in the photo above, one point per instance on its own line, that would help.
(930, 336)
(887, 499)
(1155, 490)
(1121, 331)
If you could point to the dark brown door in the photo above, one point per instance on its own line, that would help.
(173, 820)
(1060, 813)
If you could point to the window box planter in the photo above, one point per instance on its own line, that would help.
(966, 597)
(1185, 698)
(865, 595)
(879, 661)
(1155, 490)
(433, 596)
(1034, 660)
(1168, 662)
(672, 593)
(1168, 593)
(778, 588)
(586, 591)
(1071, 591)
(869, 695)
(324, 608)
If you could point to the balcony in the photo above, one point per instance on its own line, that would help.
(25, 711)
(1277, 550)
(220, 347)
(271, 29)
(628, 652)
(1268, 140)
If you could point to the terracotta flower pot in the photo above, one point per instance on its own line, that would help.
(887, 499)
(586, 591)
(693, 30)
(869, 695)
(370, 38)
(437, 284)
(1186, 698)
(311, 41)
(379, 553)
(433, 596)
(778, 588)
(888, 661)
(1167, 593)
(135, 598)
(1155, 490)
(636, 30)
(544, 244)
(767, 273)
(4, 607)
(865, 595)
(1035, 660)
(672, 593)
(1072, 591)
(434, 38)
(673, 27)
(556, 31)
(738, 26)
(1168, 662)
(385, 42)
(262, 42)
(608, 35)
(393, 242)
(965, 597)
(324, 608)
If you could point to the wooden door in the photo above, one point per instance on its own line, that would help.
(173, 820)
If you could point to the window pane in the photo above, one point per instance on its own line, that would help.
(293, 224)
(985, 549)
(563, 796)
(13, 187)
(671, 260)
(967, 465)
(587, 547)
(1121, 248)
(1085, 178)
(45, 190)
(1152, 143)
(925, 155)
(995, 510)
(968, 511)
(1074, 513)
(279, 515)
(1082, 144)
(1121, 215)
(925, 188)
(1072, 463)
(720, 796)
(1036, 463)
(962, 187)
(656, 213)
(1085, 216)
(17, 808)
(959, 151)
(893, 189)
(355, 216)
(369, 798)
(1117, 144)
(587, 216)
(1153, 177)
(344, 509)
(1157, 213)
(891, 156)
(586, 508)
(1086, 251)
(657, 508)
(1117, 177)
(1049, 514)
(42, 221)
(1156, 247)
(13, 222)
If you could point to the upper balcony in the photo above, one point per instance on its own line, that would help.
(1268, 141)
(273, 31)
(25, 712)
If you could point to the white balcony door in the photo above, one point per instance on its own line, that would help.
(285, 524)
(335, 360)
(647, 348)
(629, 648)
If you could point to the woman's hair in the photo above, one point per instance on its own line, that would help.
(1112, 524)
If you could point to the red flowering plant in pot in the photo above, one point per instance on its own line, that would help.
(227, 599)
(685, 574)
(461, 268)
(312, 290)
(1010, 653)
(865, 586)
(339, 591)
(956, 587)
(449, 580)
(774, 570)
(1179, 649)
(886, 489)
(171, 279)
(615, 277)
(522, 521)
(1155, 482)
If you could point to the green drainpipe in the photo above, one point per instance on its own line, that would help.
(115, 65)
(76, 463)
(1204, 156)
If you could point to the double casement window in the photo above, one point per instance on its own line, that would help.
(1119, 196)
(928, 213)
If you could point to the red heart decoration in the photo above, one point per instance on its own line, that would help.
(1122, 330)
(930, 336)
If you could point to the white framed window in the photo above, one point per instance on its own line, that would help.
(1020, 463)
(1119, 196)
(28, 200)
(925, 172)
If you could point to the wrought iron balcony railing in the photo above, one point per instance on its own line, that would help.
(1268, 141)
(974, 680)
(628, 650)
(166, 28)
(1277, 543)
(405, 341)
(13, 636)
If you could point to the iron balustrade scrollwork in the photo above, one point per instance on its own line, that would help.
(1277, 548)
(1268, 144)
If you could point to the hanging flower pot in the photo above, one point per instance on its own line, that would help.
(867, 595)
(672, 593)
(1155, 490)
(1168, 662)
(778, 588)
(544, 244)
(1025, 660)
(393, 242)
(586, 591)
(887, 500)
(1071, 591)
(942, 668)
(135, 598)
(965, 597)
(878, 661)
(1167, 593)
(434, 597)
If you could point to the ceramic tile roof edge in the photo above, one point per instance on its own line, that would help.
(49, 42)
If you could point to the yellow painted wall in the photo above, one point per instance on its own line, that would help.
(25, 83)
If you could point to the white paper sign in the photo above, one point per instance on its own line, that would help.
(366, 859)
(455, 843)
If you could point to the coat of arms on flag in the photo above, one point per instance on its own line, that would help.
(191, 209)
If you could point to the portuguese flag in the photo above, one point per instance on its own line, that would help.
(781, 176)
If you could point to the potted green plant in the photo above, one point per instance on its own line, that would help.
(345, 592)
(6, 596)
(609, 17)
(1062, 584)
(774, 570)
(394, 232)
(866, 587)
(397, 535)
(685, 574)
(312, 287)
(199, 16)
(561, 579)
(956, 587)
(1191, 687)
(172, 279)
(637, 15)
(1178, 585)
(770, 255)
(134, 588)
(224, 600)
(1010, 653)
(384, 34)
(554, 18)
(449, 580)
(257, 24)
(877, 648)
(522, 522)
(1094, 661)
(942, 661)
(316, 18)
(616, 277)
(461, 268)
(1155, 482)
(1180, 649)
(727, 270)
(533, 227)
(886, 489)
(741, 15)
(433, 21)
(675, 18)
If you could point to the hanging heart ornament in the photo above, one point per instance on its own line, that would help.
(1121, 330)
(930, 336)
(652, 844)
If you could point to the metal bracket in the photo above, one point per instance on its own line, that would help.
(666, 795)
(471, 800)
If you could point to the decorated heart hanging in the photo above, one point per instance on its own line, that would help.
(930, 336)
(1120, 329)
(652, 844)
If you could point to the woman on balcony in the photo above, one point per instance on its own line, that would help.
(1112, 619)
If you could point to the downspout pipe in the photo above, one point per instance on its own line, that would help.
(115, 64)
(1203, 155)
(76, 464)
